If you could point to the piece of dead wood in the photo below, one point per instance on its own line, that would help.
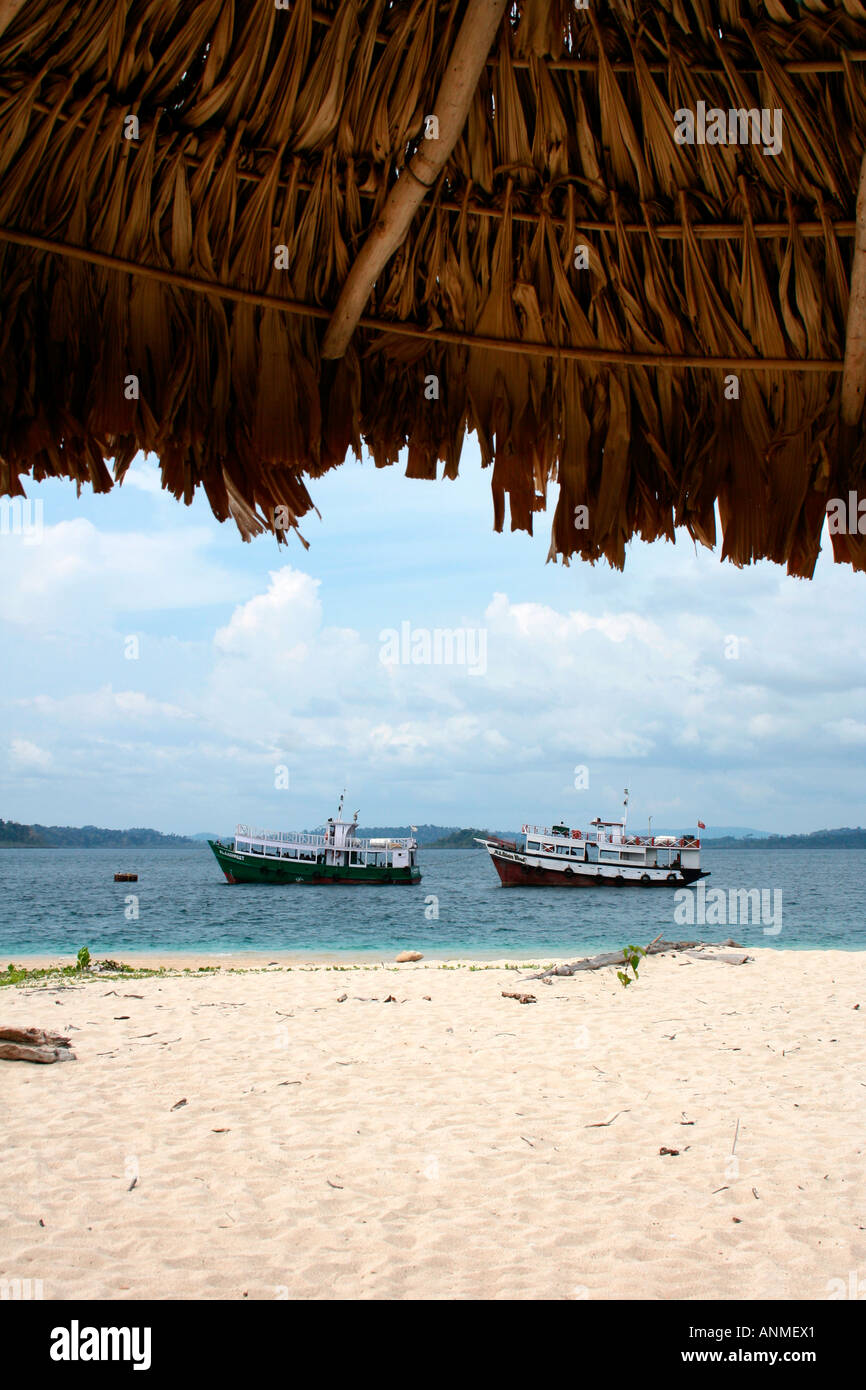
(603, 1124)
(35, 1037)
(34, 1045)
(521, 998)
(727, 957)
(655, 948)
(673, 1152)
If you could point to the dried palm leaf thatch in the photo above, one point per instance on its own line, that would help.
(659, 328)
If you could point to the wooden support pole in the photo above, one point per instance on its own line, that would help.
(8, 11)
(468, 57)
(854, 371)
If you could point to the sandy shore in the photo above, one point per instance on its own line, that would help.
(456, 1146)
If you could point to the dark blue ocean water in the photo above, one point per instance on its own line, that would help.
(57, 900)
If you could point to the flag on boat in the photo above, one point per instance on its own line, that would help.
(701, 825)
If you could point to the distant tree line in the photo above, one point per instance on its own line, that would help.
(13, 835)
(845, 837)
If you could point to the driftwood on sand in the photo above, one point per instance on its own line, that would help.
(33, 1045)
(694, 949)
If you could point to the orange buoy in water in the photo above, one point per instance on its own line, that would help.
(126, 878)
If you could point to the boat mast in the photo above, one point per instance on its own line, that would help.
(624, 812)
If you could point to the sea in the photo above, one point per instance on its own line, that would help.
(54, 901)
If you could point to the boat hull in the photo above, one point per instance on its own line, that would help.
(257, 868)
(513, 873)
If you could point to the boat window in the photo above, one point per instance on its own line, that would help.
(608, 854)
(243, 846)
(533, 844)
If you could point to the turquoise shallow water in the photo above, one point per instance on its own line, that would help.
(54, 901)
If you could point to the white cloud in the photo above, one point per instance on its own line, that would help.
(77, 574)
(103, 706)
(144, 475)
(851, 731)
(28, 757)
(626, 674)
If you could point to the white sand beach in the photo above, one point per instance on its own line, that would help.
(451, 1144)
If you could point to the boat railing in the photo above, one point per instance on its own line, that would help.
(382, 844)
(548, 834)
(596, 837)
(319, 839)
(279, 837)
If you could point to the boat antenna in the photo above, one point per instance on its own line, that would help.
(625, 810)
(340, 807)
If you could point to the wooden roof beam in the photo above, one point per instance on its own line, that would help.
(8, 11)
(468, 57)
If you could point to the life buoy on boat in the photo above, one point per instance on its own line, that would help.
(672, 878)
(637, 839)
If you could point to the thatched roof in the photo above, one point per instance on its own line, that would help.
(260, 126)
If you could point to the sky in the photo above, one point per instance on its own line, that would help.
(157, 671)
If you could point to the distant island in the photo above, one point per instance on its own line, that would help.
(16, 836)
(843, 838)
(465, 839)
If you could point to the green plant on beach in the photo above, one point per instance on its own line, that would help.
(84, 959)
(631, 957)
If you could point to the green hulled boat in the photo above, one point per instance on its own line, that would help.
(332, 855)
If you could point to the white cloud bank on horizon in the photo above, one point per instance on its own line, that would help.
(637, 687)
